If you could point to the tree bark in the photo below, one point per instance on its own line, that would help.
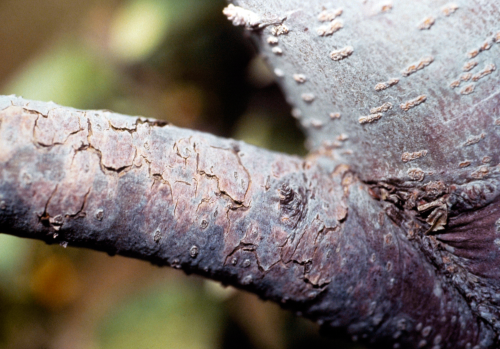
(295, 231)
(386, 230)
(406, 93)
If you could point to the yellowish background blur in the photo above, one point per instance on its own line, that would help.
(179, 61)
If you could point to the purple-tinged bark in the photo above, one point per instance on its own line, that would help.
(405, 93)
(387, 230)
(300, 232)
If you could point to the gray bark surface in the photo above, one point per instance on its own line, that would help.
(386, 230)
(406, 93)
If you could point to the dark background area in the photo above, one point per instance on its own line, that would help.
(179, 61)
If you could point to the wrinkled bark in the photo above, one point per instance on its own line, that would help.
(406, 93)
(386, 231)
(294, 231)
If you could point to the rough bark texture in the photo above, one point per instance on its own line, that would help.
(387, 230)
(447, 125)
(407, 94)
(290, 230)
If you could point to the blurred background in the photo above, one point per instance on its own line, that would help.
(179, 61)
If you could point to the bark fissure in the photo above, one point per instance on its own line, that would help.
(45, 217)
(308, 233)
(463, 210)
(297, 243)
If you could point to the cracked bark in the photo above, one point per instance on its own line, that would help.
(387, 230)
(292, 230)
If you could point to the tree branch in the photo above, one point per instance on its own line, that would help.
(296, 231)
(406, 95)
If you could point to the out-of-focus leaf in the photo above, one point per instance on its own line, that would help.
(138, 28)
(259, 73)
(218, 291)
(174, 317)
(261, 129)
(254, 129)
(261, 321)
(183, 104)
(12, 253)
(67, 74)
(55, 282)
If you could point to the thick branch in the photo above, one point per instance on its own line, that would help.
(290, 230)
(383, 93)
(407, 95)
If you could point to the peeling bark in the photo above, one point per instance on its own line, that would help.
(305, 234)
(431, 159)
(388, 230)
